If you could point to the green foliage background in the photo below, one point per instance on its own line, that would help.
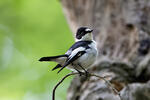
(30, 29)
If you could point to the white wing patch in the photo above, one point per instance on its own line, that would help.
(75, 51)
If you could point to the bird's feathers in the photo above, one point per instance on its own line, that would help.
(82, 31)
(57, 66)
(78, 44)
(52, 58)
(72, 58)
(83, 52)
(74, 52)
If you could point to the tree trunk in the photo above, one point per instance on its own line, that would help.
(121, 29)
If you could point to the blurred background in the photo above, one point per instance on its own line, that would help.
(30, 29)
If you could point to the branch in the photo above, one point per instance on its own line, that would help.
(53, 96)
(109, 84)
(90, 74)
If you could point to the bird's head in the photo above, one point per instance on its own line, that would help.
(84, 34)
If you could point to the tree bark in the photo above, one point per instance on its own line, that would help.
(121, 29)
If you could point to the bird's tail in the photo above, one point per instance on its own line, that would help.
(58, 59)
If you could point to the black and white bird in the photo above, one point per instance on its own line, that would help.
(80, 56)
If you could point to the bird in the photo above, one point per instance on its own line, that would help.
(80, 56)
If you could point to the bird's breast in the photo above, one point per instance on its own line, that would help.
(88, 58)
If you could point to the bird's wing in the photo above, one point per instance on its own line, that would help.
(57, 66)
(77, 45)
(74, 55)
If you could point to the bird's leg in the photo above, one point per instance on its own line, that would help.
(86, 72)
(80, 73)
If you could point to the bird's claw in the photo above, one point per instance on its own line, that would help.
(87, 74)
(80, 73)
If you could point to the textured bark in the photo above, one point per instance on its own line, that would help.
(121, 29)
